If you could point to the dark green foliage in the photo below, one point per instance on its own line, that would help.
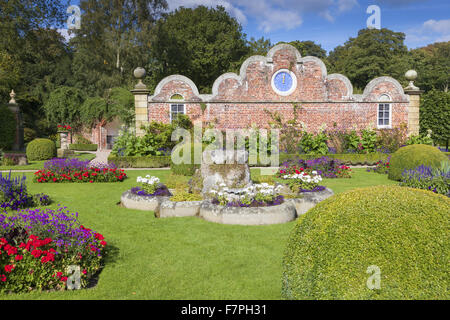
(63, 106)
(199, 43)
(401, 230)
(413, 156)
(118, 103)
(7, 128)
(186, 169)
(371, 54)
(435, 115)
(140, 162)
(41, 149)
(83, 147)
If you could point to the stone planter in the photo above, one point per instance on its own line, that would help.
(169, 209)
(282, 213)
(132, 201)
(308, 200)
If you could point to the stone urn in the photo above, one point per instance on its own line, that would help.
(221, 167)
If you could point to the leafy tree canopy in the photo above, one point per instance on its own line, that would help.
(199, 43)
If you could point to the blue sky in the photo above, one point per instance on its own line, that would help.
(332, 22)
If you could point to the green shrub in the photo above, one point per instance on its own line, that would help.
(403, 231)
(83, 147)
(140, 162)
(7, 128)
(186, 196)
(41, 149)
(29, 135)
(185, 169)
(410, 157)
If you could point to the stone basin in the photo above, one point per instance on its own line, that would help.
(133, 201)
(282, 213)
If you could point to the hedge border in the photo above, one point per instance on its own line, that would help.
(140, 162)
(83, 147)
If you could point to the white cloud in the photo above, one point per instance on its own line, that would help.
(441, 26)
(430, 31)
(273, 15)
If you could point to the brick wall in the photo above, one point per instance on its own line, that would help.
(239, 101)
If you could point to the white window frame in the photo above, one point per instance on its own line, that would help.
(178, 105)
(384, 100)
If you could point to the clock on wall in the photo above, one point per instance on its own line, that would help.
(284, 82)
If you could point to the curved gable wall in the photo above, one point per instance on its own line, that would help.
(239, 101)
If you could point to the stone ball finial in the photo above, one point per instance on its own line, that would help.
(13, 96)
(139, 73)
(411, 75)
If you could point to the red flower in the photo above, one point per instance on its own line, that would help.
(84, 271)
(19, 257)
(63, 279)
(36, 253)
(2, 278)
(99, 236)
(103, 243)
(9, 268)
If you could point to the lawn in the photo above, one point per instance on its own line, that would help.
(37, 165)
(177, 258)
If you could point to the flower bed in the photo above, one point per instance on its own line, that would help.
(381, 166)
(74, 170)
(299, 182)
(427, 178)
(324, 166)
(37, 247)
(14, 195)
(257, 195)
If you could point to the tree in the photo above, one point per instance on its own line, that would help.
(199, 43)
(432, 64)
(114, 39)
(63, 107)
(435, 115)
(118, 103)
(309, 48)
(373, 53)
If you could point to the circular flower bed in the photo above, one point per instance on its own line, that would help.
(256, 195)
(38, 246)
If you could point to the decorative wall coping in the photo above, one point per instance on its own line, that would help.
(268, 60)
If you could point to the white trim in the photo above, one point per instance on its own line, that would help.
(388, 126)
(294, 83)
(176, 104)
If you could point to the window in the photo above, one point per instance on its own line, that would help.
(175, 110)
(384, 112)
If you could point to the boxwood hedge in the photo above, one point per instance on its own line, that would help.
(413, 156)
(400, 230)
(83, 147)
(41, 149)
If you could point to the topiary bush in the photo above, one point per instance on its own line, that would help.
(402, 231)
(412, 156)
(41, 149)
(7, 128)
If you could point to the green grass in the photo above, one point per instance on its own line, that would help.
(37, 165)
(177, 258)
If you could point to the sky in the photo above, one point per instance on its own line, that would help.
(332, 22)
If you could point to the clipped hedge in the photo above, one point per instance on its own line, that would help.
(348, 158)
(410, 157)
(140, 162)
(41, 149)
(7, 128)
(402, 231)
(83, 147)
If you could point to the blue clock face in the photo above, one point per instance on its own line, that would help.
(283, 81)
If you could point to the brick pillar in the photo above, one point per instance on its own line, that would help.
(140, 102)
(414, 103)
